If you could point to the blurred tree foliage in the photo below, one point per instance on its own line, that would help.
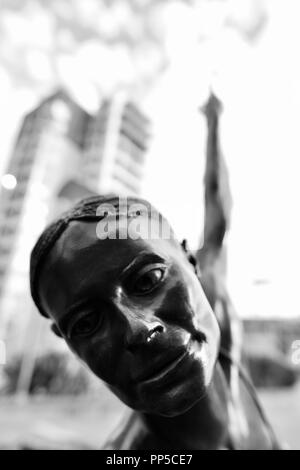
(271, 370)
(53, 374)
(37, 37)
(110, 42)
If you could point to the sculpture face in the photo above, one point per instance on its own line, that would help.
(135, 313)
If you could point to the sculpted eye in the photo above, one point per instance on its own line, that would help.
(86, 325)
(147, 281)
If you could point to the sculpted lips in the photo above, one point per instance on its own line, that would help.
(159, 371)
(163, 369)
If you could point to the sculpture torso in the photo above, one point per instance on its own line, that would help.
(247, 427)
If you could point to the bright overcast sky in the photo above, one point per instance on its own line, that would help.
(259, 85)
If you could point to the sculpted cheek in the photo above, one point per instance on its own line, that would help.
(204, 318)
(101, 357)
(186, 306)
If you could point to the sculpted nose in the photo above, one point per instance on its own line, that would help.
(141, 332)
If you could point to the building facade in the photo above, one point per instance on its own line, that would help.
(115, 148)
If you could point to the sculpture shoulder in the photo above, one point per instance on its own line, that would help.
(131, 434)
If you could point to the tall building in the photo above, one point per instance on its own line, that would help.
(115, 148)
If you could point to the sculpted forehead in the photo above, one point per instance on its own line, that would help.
(78, 236)
(75, 240)
(79, 259)
(80, 239)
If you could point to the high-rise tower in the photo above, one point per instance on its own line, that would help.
(116, 143)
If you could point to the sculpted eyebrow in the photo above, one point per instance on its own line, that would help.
(140, 260)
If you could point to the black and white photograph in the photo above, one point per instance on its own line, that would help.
(149, 227)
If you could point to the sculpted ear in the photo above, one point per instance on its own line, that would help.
(55, 330)
(191, 257)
